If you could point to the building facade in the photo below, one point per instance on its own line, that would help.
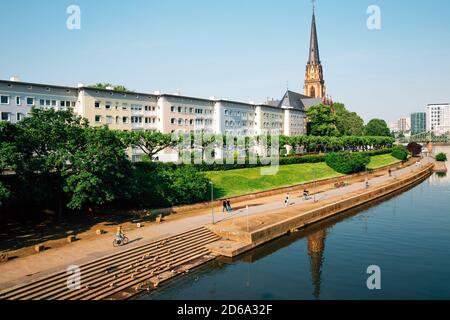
(133, 111)
(438, 118)
(418, 122)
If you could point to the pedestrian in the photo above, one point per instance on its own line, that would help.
(390, 172)
(225, 206)
(367, 183)
(286, 201)
(229, 206)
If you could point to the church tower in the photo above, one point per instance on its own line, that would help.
(314, 83)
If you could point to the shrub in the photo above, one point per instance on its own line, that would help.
(414, 148)
(347, 162)
(400, 153)
(441, 157)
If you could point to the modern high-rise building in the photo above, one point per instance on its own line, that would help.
(418, 122)
(438, 118)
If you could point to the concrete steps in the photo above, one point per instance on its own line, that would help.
(135, 270)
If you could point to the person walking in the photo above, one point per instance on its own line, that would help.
(230, 209)
(390, 172)
(225, 206)
(286, 201)
(367, 183)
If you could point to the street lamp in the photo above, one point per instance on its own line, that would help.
(212, 201)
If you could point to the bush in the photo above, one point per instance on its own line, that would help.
(400, 153)
(347, 162)
(157, 185)
(441, 157)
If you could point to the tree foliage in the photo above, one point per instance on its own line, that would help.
(377, 127)
(322, 121)
(348, 123)
(106, 85)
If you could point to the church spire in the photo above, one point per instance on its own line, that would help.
(314, 83)
(314, 57)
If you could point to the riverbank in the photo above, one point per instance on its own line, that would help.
(20, 239)
(34, 267)
(246, 233)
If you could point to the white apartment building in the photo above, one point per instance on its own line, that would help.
(438, 118)
(166, 113)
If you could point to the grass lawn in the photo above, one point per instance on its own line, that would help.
(244, 181)
(382, 161)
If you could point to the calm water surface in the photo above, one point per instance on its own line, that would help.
(407, 235)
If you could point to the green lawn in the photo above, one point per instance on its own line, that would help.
(382, 161)
(245, 181)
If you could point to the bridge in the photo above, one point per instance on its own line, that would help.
(426, 137)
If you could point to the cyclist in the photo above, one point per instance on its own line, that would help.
(119, 234)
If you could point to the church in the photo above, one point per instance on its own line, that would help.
(297, 104)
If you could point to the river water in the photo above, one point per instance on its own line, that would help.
(406, 235)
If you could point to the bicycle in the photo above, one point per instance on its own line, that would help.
(121, 242)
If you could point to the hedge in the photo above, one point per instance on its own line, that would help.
(400, 153)
(348, 162)
(316, 158)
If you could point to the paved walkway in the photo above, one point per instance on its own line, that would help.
(38, 265)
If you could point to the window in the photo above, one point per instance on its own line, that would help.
(108, 106)
(42, 102)
(18, 102)
(53, 103)
(20, 116)
(180, 109)
(5, 116)
(124, 106)
(62, 103)
(109, 119)
(98, 119)
(4, 100)
(97, 105)
(30, 101)
(47, 102)
(73, 103)
(172, 109)
(124, 119)
(173, 121)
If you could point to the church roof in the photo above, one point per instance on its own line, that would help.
(297, 101)
(314, 57)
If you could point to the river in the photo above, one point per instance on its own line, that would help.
(407, 235)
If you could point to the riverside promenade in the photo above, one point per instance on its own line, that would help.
(31, 268)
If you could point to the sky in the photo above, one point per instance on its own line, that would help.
(246, 50)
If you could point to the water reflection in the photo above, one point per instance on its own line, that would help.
(316, 248)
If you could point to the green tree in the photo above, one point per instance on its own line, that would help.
(106, 85)
(100, 170)
(48, 141)
(377, 127)
(348, 123)
(322, 121)
(151, 143)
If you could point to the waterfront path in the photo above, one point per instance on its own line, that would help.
(26, 269)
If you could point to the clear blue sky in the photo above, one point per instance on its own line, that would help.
(237, 49)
